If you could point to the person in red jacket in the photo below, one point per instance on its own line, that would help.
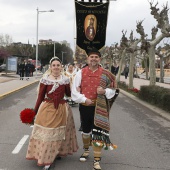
(54, 132)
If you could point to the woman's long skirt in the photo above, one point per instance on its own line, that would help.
(53, 134)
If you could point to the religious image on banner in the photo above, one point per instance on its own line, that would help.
(90, 25)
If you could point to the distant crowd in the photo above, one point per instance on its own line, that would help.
(25, 69)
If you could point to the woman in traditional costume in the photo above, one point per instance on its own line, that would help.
(54, 132)
(70, 73)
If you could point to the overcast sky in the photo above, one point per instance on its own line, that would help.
(18, 18)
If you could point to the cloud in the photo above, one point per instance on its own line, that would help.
(19, 18)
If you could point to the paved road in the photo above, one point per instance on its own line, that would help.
(142, 137)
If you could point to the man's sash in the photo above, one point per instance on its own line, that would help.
(103, 106)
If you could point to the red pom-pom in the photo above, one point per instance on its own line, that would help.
(27, 116)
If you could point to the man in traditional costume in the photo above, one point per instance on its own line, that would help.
(95, 89)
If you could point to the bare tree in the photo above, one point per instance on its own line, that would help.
(124, 44)
(5, 40)
(149, 45)
(159, 53)
(133, 42)
(167, 52)
(26, 50)
(3, 53)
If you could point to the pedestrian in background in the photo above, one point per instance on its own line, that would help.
(126, 71)
(113, 68)
(70, 73)
(28, 69)
(116, 69)
(32, 69)
(21, 70)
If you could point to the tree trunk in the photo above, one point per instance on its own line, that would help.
(146, 68)
(131, 70)
(152, 65)
(120, 65)
(161, 80)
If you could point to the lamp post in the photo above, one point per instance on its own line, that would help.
(62, 55)
(37, 37)
(54, 48)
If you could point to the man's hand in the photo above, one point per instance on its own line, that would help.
(100, 90)
(89, 102)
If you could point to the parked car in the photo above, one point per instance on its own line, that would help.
(2, 67)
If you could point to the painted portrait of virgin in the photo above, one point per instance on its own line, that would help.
(90, 25)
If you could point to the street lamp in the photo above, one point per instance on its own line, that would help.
(62, 55)
(37, 37)
(54, 48)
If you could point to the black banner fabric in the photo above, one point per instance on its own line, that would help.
(91, 22)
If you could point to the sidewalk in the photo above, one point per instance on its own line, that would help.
(11, 83)
(137, 82)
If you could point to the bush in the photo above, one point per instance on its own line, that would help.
(123, 85)
(166, 101)
(156, 95)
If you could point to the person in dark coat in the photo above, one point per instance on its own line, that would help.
(116, 70)
(28, 69)
(113, 68)
(32, 69)
(21, 68)
(126, 71)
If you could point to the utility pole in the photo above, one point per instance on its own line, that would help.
(62, 55)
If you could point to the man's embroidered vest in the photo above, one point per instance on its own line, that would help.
(90, 82)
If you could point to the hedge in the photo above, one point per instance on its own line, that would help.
(155, 95)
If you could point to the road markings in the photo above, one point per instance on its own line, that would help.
(20, 144)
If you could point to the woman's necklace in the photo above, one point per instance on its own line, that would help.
(55, 76)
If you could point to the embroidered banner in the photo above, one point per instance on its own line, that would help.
(91, 22)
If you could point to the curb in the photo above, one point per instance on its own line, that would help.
(18, 89)
(155, 109)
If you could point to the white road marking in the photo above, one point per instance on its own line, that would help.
(20, 144)
(31, 126)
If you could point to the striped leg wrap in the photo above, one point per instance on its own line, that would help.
(97, 157)
(86, 142)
